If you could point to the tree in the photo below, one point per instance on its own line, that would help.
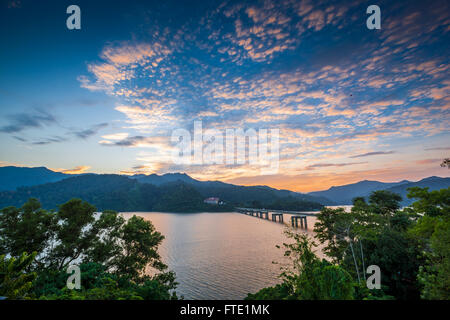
(446, 163)
(332, 230)
(26, 229)
(373, 233)
(74, 233)
(139, 242)
(97, 283)
(77, 234)
(397, 255)
(384, 202)
(434, 275)
(432, 231)
(277, 292)
(309, 278)
(431, 203)
(15, 281)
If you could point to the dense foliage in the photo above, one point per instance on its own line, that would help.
(411, 246)
(118, 258)
(309, 278)
(120, 193)
(15, 282)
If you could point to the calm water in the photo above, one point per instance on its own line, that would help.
(220, 255)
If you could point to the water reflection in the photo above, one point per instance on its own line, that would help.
(221, 255)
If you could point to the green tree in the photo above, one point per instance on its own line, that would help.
(384, 202)
(309, 278)
(98, 283)
(397, 256)
(76, 233)
(278, 292)
(431, 203)
(139, 242)
(15, 281)
(332, 230)
(432, 231)
(373, 233)
(26, 229)
(434, 275)
(312, 278)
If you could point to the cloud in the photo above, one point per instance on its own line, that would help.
(76, 170)
(86, 133)
(116, 136)
(429, 161)
(326, 165)
(127, 142)
(140, 167)
(266, 29)
(375, 153)
(123, 62)
(22, 121)
(55, 139)
(437, 149)
(20, 138)
(265, 65)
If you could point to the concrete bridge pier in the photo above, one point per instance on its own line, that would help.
(303, 221)
(277, 215)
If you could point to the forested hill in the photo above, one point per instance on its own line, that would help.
(122, 193)
(178, 191)
(345, 193)
(13, 177)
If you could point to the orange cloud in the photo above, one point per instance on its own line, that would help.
(76, 170)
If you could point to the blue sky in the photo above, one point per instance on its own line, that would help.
(350, 103)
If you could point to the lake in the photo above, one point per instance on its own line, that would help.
(221, 255)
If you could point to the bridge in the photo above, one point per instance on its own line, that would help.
(278, 215)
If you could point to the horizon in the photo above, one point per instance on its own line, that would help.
(184, 173)
(107, 98)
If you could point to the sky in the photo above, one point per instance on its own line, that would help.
(350, 103)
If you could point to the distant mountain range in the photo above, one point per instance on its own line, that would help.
(344, 194)
(177, 192)
(13, 177)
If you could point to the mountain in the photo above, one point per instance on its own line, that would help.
(122, 193)
(177, 191)
(343, 195)
(432, 183)
(158, 180)
(263, 195)
(14, 177)
(248, 194)
(110, 192)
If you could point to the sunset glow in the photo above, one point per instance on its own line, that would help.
(350, 103)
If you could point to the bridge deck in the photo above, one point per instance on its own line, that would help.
(276, 212)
